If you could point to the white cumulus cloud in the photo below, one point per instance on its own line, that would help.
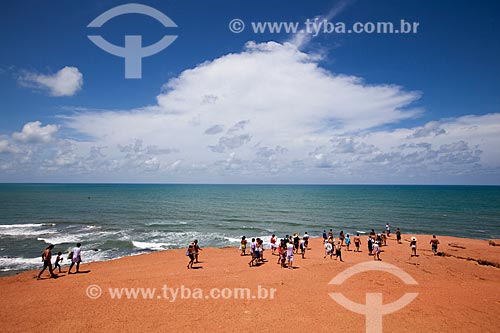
(34, 132)
(66, 82)
(271, 113)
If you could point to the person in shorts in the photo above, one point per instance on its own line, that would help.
(328, 249)
(59, 259)
(376, 251)
(273, 244)
(243, 246)
(413, 246)
(338, 250)
(253, 249)
(289, 254)
(434, 244)
(190, 254)
(46, 259)
(303, 247)
(347, 242)
(357, 242)
(77, 258)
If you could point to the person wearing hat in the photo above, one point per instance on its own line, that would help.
(413, 245)
(190, 254)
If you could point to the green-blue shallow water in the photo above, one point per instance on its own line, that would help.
(117, 220)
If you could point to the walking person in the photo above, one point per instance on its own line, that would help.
(398, 235)
(376, 251)
(76, 258)
(46, 259)
(328, 249)
(58, 260)
(289, 255)
(253, 252)
(347, 242)
(357, 242)
(190, 254)
(303, 247)
(273, 244)
(338, 250)
(243, 246)
(413, 245)
(197, 250)
(306, 240)
(434, 243)
(296, 241)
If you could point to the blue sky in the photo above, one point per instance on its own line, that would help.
(220, 107)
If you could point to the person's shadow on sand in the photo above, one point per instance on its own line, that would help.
(48, 277)
(80, 272)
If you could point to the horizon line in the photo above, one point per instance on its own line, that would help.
(240, 184)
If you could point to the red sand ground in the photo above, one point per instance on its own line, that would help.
(456, 293)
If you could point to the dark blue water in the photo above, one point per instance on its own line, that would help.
(117, 220)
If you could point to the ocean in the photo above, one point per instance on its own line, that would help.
(116, 220)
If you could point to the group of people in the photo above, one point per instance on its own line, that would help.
(287, 247)
(74, 256)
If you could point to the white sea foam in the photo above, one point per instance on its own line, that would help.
(26, 230)
(10, 264)
(61, 239)
(233, 240)
(166, 223)
(76, 237)
(27, 225)
(17, 263)
(151, 246)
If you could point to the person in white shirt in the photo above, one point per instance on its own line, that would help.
(306, 239)
(303, 247)
(289, 254)
(76, 259)
(253, 250)
(328, 249)
(376, 251)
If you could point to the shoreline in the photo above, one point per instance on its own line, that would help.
(66, 262)
(454, 293)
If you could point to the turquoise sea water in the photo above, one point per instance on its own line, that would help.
(117, 220)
